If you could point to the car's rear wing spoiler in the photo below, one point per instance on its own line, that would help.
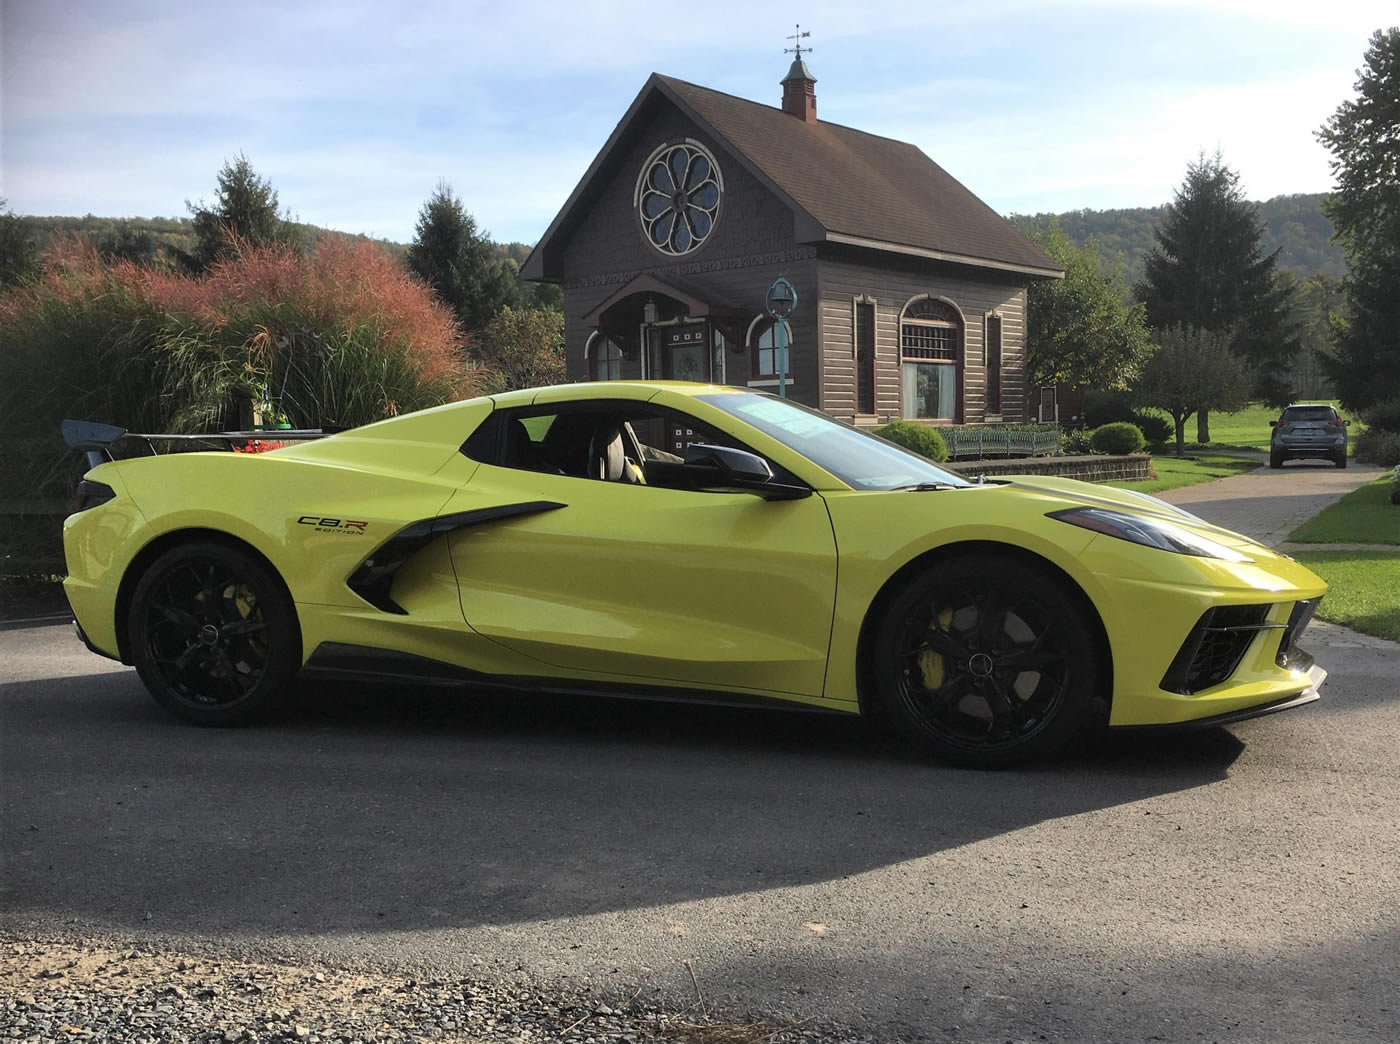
(96, 440)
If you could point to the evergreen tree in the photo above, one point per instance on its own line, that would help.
(18, 255)
(1364, 138)
(1084, 330)
(452, 256)
(245, 208)
(1208, 271)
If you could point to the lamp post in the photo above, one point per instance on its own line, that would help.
(781, 300)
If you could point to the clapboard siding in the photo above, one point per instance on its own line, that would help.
(842, 282)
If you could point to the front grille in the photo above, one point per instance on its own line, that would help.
(1214, 648)
(1290, 657)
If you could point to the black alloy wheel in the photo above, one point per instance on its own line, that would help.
(213, 634)
(986, 662)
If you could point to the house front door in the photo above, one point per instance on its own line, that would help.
(684, 353)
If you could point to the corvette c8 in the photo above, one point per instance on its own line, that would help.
(678, 541)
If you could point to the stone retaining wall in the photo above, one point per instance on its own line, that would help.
(1131, 468)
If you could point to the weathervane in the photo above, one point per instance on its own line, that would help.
(797, 50)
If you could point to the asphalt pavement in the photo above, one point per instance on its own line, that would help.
(1224, 884)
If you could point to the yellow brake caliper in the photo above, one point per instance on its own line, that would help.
(931, 664)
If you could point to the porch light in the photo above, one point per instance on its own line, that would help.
(649, 312)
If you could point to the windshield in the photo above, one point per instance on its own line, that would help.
(859, 459)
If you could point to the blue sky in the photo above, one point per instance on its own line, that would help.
(354, 110)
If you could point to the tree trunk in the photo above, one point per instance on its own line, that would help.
(1180, 435)
(1203, 425)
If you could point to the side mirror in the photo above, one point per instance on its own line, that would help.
(1273, 424)
(1346, 424)
(721, 468)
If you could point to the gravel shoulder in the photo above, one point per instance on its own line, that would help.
(59, 991)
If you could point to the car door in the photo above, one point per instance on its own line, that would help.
(720, 590)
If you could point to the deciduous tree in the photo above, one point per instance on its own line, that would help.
(1208, 271)
(1193, 369)
(1084, 330)
(18, 255)
(1364, 138)
(523, 348)
(125, 242)
(452, 256)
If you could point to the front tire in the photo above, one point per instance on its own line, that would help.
(985, 662)
(214, 634)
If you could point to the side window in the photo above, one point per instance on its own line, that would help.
(628, 442)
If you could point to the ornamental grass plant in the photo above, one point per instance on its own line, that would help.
(341, 336)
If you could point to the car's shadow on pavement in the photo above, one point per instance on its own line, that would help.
(379, 809)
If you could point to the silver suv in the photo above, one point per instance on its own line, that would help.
(1309, 430)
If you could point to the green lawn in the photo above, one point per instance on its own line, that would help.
(1363, 516)
(1365, 589)
(1249, 427)
(1173, 472)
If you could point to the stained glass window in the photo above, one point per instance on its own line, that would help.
(678, 196)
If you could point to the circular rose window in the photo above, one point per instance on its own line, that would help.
(678, 194)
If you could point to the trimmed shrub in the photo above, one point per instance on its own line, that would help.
(921, 438)
(1384, 415)
(1154, 428)
(1118, 438)
(1377, 446)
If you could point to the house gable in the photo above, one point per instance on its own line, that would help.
(840, 185)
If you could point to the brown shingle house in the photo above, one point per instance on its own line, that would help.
(911, 291)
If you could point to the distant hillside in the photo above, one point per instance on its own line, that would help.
(175, 231)
(1294, 225)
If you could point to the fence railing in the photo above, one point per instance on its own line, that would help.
(985, 441)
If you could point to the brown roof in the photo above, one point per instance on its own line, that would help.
(848, 185)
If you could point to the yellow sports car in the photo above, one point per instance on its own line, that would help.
(676, 541)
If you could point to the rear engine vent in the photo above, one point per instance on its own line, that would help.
(1214, 648)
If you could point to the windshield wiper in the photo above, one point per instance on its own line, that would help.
(921, 486)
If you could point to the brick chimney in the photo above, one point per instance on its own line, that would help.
(800, 92)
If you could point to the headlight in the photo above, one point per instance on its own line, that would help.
(1150, 532)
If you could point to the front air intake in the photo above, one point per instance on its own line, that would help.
(1216, 645)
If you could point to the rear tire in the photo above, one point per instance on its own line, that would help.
(984, 662)
(1340, 459)
(1276, 459)
(214, 634)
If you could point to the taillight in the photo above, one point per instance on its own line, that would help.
(89, 494)
(1284, 429)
